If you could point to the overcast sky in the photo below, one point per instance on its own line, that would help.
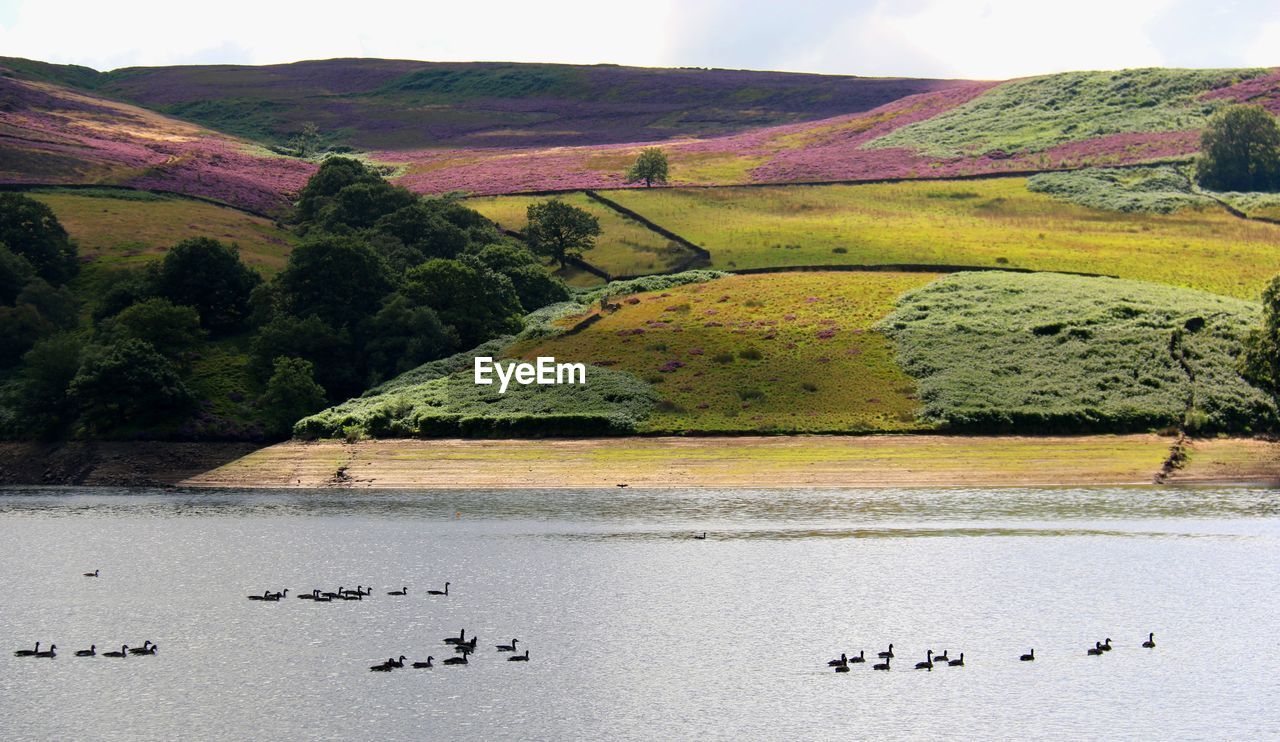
(987, 39)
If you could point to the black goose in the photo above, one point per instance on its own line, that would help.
(1150, 643)
(266, 595)
(887, 655)
(144, 649)
(702, 536)
(1096, 650)
(94, 573)
(309, 596)
(424, 665)
(275, 597)
(508, 647)
(842, 668)
(520, 657)
(1030, 656)
(387, 666)
(883, 665)
(456, 660)
(124, 652)
(844, 660)
(445, 591)
(942, 658)
(92, 651)
(862, 656)
(51, 652)
(463, 649)
(928, 662)
(459, 639)
(1106, 645)
(397, 663)
(401, 591)
(957, 662)
(28, 652)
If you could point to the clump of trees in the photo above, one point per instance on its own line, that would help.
(560, 231)
(650, 167)
(382, 281)
(1240, 151)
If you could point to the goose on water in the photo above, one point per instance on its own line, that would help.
(51, 652)
(92, 651)
(508, 647)
(842, 668)
(1150, 643)
(883, 665)
(862, 656)
(942, 658)
(94, 573)
(445, 591)
(928, 662)
(520, 657)
(844, 660)
(144, 649)
(702, 536)
(124, 652)
(888, 654)
(384, 667)
(27, 652)
(456, 660)
(1096, 650)
(1106, 645)
(957, 662)
(424, 665)
(401, 591)
(459, 639)
(1030, 656)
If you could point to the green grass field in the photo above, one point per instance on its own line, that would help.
(995, 352)
(123, 228)
(624, 248)
(782, 352)
(981, 223)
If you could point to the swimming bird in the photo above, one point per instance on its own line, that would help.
(124, 652)
(957, 662)
(387, 666)
(888, 654)
(508, 647)
(883, 665)
(51, 652)
(456, 660)
(1096, 650)
(862, 656)
(264, 596)
(1029, 656)
(152, 650)
(844, 660)
(942, 658)
(702, 537)
(466, 647)
(401, 591)
(144, 649)
(1106, 645)
(92, 651)
(520, 657)
(424, 665)
(27, 652)
(397, 663)
(94, 573)
(928, 662)
(352, 596)
(445, 591)
(275, 597)
(459, 639)
(842, 668)
(1150, 643)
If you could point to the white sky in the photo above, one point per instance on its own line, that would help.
(987, 39)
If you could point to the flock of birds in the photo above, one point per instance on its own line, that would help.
(462, 646)
(941, 659)
(148, 647)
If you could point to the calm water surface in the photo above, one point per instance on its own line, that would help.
(635, 630)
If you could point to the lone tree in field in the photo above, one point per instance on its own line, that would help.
(1261, 359)
(651, 167)
(1240, 151)
(560, 231)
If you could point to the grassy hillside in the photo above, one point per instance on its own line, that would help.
(624, 248)
(982, 223)
(116, 228)
(1054, 353)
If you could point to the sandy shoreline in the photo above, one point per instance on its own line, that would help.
(728, 462)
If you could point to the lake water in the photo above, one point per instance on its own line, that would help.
(636, 630)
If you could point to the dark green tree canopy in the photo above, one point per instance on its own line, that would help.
(560, 230)
(15, 271)
(30, 229)
(169, 328)
(1240, 151)
(1261, 361)
(424, 229)
(650, 167)
(402, 336)
(339, 279)
(291, 394)
(208, 275)
(335, 173)
(478, 303)
(128, 383)
(360, 205)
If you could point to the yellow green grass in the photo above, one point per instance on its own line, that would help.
(982, 223)
(624, 248)
(127, 229)
(790, 351)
